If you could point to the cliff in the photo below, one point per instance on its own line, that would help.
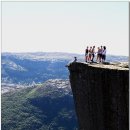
(101, 95)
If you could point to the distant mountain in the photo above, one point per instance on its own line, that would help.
(45, 107)
(26, 68)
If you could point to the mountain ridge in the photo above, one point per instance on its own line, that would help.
(26, 68)
(45, 107)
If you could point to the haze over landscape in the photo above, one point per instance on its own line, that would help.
(36, 91)
(38, 40)
(64, 26)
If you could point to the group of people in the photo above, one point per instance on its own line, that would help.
(90, 54)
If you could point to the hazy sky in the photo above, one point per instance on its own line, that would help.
(64, 26)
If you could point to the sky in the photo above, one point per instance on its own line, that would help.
(65, 26)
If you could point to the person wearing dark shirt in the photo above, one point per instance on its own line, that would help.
(104, 54)
(75, 59)
(93, 53)
(87, 54)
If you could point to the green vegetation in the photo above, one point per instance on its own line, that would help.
(35, 109)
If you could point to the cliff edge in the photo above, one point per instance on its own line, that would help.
(101, 95)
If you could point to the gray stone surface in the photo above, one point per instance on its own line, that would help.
(101, 95)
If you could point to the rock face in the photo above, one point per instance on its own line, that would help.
(101, 95)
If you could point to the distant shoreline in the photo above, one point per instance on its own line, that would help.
(35, 52)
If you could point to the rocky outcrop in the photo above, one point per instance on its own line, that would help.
(101, 95)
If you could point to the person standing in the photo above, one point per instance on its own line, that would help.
(90, 53)
(87, 54)
(93, 53)
(104, 54)
(98, 55)
(101, 51)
